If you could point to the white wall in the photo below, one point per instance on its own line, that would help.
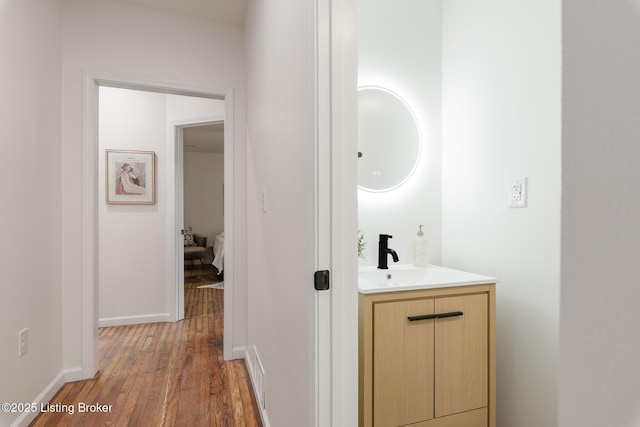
(108, 37)
(501, 120)
(280, 141)
(181, 109)
(203, 191)
(400, 48)
(31, 200)
(131, 241)
(599, 323)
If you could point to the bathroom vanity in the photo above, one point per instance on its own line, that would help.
(426, 348)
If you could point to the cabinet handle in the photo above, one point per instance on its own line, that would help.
(434, 316)
(452, 314)
(423, 317)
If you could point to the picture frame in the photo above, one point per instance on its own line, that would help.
(130, 177)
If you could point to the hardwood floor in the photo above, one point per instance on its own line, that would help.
(163, 374)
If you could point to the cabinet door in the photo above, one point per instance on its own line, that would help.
(462, 355)
(402, 363)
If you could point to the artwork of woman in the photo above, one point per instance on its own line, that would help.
(127, 182)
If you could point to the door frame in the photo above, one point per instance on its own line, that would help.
(90, 200)
(335, 397)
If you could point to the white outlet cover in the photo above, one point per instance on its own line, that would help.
(518, 193)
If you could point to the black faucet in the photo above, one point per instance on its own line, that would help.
(383, 250)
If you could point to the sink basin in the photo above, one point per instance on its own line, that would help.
(401, 277)
(394, 275)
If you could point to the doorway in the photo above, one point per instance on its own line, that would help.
(200, 203)
(92, 202)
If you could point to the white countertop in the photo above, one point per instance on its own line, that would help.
(406, 277)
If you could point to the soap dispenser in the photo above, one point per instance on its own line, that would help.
(420, 249)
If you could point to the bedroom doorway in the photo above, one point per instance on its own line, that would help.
(200, 205)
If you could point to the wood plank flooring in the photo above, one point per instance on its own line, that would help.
(164, 374)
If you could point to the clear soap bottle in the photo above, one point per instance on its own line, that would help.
(420, 249)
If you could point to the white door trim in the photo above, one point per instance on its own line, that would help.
(321, 334)
(89, 298)
(336, 329)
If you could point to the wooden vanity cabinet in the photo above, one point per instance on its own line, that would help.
(427, 358)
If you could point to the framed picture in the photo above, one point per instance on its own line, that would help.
(130, 177)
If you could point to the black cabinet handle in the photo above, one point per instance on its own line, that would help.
(434, 316)
(423, 317)
(452, 314)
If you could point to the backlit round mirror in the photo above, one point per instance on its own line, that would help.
(388, 138)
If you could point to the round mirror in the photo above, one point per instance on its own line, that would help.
(388, 140)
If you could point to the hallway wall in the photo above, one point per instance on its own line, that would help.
(599, 349)
(281, 241)
(31, 214)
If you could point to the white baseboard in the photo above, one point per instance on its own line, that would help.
(263, 411)
(44, 397)
(239, 353)
(73, 374)
(133, 320)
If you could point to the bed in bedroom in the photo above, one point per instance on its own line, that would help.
(218, 252)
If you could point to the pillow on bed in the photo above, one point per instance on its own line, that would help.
(213, 238)
(188, 238)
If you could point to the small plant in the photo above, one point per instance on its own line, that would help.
(361, 244)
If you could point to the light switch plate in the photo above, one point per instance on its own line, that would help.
(23, 342)
(264, 199)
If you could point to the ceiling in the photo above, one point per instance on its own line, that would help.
(228, 11)
(204, 138)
